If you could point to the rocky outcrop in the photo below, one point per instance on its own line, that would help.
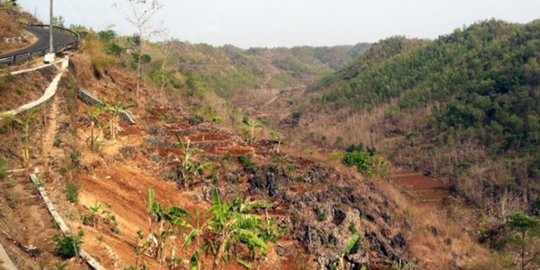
(267, 180)
(325, 219)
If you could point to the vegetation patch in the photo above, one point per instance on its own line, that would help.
(365, 160)
(69, 246)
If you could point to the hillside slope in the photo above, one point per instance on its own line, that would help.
(100, 171)
(465, 107)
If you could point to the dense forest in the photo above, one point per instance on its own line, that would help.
(477, 88)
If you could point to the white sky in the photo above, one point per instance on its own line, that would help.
(272, 23)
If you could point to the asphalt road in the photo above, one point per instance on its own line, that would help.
(60, 37)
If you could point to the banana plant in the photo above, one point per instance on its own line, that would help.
(114, 123)
(250, 126)
(95, 122)
(140, 249)
(276, 137)
(26, 125)
(189, 167)
(234, 224)
(168, 221)
(194, 237)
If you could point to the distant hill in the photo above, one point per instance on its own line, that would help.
(465, 106)
(229, 70)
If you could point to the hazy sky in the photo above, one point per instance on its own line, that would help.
(271, 23)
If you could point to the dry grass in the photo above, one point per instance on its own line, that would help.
(99, 58)
(437, 239)
(8, 27)
(21, 89)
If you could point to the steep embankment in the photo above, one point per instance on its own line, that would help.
(464, 107)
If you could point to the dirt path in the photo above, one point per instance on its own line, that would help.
(51, 130)
(270, 101)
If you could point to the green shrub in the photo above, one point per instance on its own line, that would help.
(114, 49)
(75, 157)
(246, 161)
(68, 246)
(366, 161)
(362, 160)
(107, 36)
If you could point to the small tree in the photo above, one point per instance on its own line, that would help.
(525, 230)
(58, 21)
(166, 49)
(139, 15)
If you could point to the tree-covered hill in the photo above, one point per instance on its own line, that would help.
(465, 106)
(228, 70)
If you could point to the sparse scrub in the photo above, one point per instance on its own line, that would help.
(75, 158)
(400, 265)
(72, 191)
(3, 168)
(209, 113)
(321, 214)
(100, 60)
(12, 199)
(128, 152)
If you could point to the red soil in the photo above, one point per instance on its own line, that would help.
(423, 188)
